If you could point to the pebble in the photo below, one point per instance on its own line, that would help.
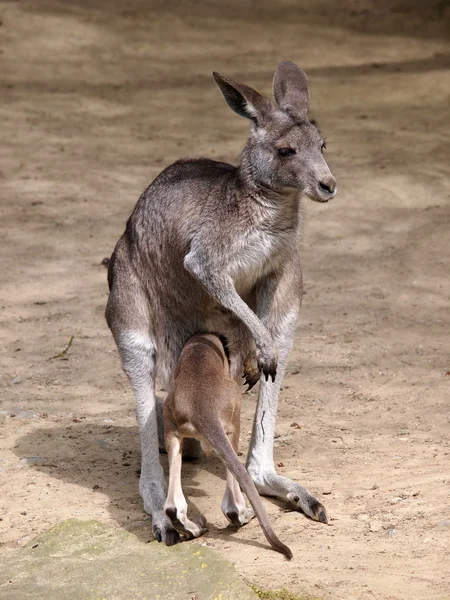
(375, 526)
(445, 523)
(18, 414)
(32, 461)
(363, 517)
(15, 380)
(391, 532)
(396, 499)
(103, 443)
(23, 540)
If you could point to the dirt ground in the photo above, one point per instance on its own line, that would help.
(96, 98)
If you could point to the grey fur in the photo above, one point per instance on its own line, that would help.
(212, 247)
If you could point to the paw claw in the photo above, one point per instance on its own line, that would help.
(182, 530)
(322, 517)
(168, 535)
(251, 378)
(302, 501)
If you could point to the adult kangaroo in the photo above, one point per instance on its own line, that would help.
(213, 247)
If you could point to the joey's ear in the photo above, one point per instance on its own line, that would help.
(244, 100)
(291, 89)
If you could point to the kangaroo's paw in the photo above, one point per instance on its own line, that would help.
(234, 507)
(297, 496)
(186, 528)
(241, 517)
(307, 504)
(163, 530)
(251, 370)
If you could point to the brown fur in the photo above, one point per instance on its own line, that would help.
(205, 404)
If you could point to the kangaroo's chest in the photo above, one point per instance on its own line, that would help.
(256, 254)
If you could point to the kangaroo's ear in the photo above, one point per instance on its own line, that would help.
(244, 100)
(291, 89)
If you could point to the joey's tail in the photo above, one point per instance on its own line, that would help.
(218, 439)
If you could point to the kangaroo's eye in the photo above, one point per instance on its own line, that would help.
(286, 151)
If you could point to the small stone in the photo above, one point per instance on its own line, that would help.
(23, 540)
(396, 499)
(391, 532)
(375, 526)
(23, 512)
(15, 380)
(445, 523)
(24, 415)
(32, 461)
(363, 517)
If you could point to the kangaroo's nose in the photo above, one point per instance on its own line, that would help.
(328, 185)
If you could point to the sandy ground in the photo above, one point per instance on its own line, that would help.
(96, 99)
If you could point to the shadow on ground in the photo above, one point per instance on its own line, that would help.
(79, 452)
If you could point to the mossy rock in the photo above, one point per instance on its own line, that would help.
(86, 560)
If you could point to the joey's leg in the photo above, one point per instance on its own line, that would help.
(281, 321)
(176, 506)
(191, 446)
(233, 503)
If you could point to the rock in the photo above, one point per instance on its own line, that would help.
(15, 380)
(18, 414)
(103, 443)
(396, 499)
(444, 523)
(375, 526)
(363, 517)
(25, 415)
(391, 532)
(86, 559)
(32, 461)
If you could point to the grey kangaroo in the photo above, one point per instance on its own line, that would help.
(213, 247)
(205, 404)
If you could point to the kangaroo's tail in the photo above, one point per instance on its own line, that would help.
(214, 433)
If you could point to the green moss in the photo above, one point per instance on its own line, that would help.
(283, 594)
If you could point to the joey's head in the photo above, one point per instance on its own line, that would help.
(284, 150)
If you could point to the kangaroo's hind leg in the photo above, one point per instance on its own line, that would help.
(127, 316)
(176, 506)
